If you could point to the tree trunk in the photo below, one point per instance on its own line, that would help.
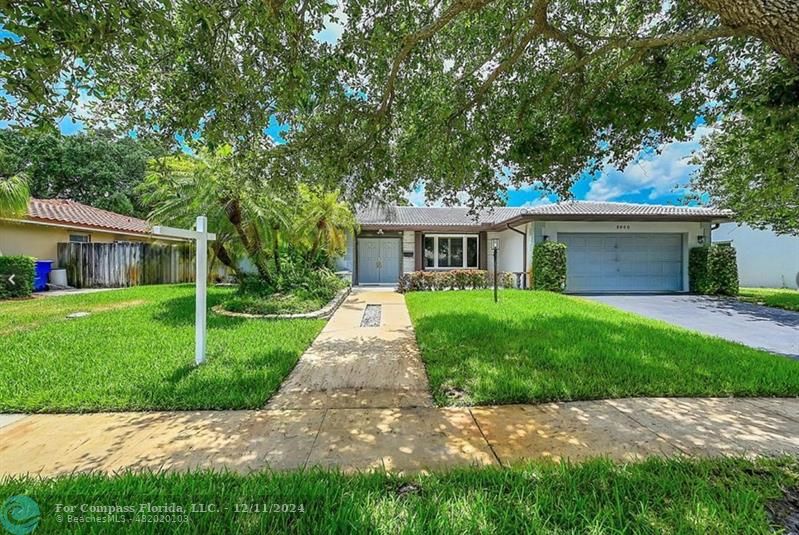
(276, 248)
(252, 244)
(774, 21)
(222, 254)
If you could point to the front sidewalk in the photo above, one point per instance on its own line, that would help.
(398, 439)
(352, 366)
(358, 399)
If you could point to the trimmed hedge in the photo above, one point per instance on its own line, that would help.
(456, 279)
(713, 270)
(549, 266)
(23, 268)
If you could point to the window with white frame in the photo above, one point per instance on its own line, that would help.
(80, 238)
(450, 251)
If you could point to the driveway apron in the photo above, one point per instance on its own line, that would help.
(355, 366)
(756, 326)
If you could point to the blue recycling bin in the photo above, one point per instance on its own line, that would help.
(43, 268)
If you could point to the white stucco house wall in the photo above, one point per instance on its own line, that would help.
(765, 259)
(612, 247)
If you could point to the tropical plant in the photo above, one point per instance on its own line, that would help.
(14, 195)
(209, 183)
(269, 227)
(323, 223)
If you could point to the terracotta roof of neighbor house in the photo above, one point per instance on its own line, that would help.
(73, 213)
(424, 217)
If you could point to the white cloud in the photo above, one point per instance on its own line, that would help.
(659, 174)
(541, 201)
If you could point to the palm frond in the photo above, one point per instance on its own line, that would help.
(14, 196)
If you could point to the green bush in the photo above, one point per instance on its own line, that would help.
(698, 277)
(299, 287)
(23, 268)
(549, 266)
(723, 266)
(456, 279)
(713, 270)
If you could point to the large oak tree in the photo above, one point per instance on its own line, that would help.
(467, 95)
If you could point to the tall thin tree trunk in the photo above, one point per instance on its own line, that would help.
(774, 21)
(252, 244)
(276, 248)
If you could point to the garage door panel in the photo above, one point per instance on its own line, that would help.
(623, 262)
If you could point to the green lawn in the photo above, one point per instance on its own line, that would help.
(136, 351)
(540, 346)
(656, 496)
(774, 297)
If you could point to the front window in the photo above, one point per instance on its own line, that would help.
(450, 251)
(429, 251)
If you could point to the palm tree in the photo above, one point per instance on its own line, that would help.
(242, 215)
(325, 222)
(14, 196)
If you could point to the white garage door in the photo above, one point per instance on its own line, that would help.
(623, 262)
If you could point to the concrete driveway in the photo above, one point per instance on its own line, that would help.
(757, 326)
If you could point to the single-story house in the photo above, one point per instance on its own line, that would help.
(53, 221)
(612, 247)
(765, 259)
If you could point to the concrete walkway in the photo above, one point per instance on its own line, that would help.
(398, 439)
(753, 325)
(350, 366)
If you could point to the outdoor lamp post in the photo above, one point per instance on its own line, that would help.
(495, 248)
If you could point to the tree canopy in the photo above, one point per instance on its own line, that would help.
(469, 96)
(96, 168)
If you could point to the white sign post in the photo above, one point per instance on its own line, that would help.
(201, 236)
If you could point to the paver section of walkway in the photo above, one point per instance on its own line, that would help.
(350, 366)
(398, 439)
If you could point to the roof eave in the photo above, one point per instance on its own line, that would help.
(425, 228)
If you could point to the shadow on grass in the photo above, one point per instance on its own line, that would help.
(179, 312)
(561, 355)
(220, 383)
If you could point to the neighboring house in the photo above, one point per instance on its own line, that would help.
(765, 259)
(612, 247)
(53, 221)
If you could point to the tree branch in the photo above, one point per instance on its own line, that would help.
(617, 43)
(410, 42)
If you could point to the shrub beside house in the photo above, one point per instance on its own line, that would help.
(713, 270)
(16, 276)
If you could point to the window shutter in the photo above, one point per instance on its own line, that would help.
(418, 256)
(482, 262)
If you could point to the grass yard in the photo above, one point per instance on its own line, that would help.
(540, 346)
(135, 351)
(656, 496)
(774, 297)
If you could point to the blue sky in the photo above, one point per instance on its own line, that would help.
(652, 178)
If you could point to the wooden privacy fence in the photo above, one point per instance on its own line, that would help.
(114, 265)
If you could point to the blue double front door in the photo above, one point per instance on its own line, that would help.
(378, 260)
